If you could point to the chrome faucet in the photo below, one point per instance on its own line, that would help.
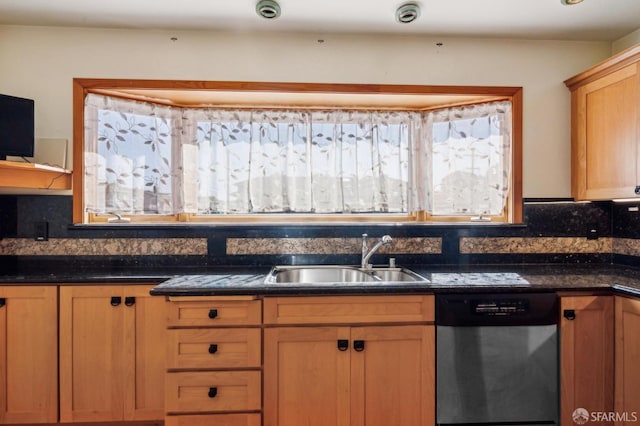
(366, 253)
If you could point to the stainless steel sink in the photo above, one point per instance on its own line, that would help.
(396, 275)
(338, 274)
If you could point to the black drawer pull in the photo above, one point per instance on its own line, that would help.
(343, 345)
(130, 301)
(213, 348)
(569, 314)
(213, 313)
(3, 302)
(358, 345)
(116, 300)
(637, 190)
(213, 392)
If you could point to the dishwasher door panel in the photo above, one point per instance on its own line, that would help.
(497, 374)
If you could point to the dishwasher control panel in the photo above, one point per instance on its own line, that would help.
(500, 307)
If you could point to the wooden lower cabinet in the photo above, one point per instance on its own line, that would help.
(627, 349)
(586, 355)
(306, 376)
(214, 360)
(349, 376)
(393, 377)
(112, 350)
(248, 419)
(29, 355)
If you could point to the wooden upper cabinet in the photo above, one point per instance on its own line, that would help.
(29, 354)
(605, 128)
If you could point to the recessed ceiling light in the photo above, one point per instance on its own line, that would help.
(407, 12)
(268, 9)
(570, 2)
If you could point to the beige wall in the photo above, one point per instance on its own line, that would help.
(39, 63)
(626, 42)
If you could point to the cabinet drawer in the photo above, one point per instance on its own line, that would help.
(212, 391)
(214, 313)
(249, 419)
(348, 309)
(214, 348)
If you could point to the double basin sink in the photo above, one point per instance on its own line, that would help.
(338, 274)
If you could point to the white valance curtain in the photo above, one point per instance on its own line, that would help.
(146, 158)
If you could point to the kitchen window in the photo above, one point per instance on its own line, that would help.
(157, 162)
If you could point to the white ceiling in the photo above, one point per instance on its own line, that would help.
(595, 20)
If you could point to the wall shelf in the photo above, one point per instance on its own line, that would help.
(30, 175)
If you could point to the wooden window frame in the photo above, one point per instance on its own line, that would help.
(126, 88)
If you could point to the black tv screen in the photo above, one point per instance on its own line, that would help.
(16, 127)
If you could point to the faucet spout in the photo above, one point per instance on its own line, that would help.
(366, 253)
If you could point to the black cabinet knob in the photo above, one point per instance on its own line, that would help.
(3, 302)
(637, 190)
(569, 314)
(213, 392)
(116, 300)
(213, 313)
(358, 345)
(130, 301)
(213, 348)
(343, 345)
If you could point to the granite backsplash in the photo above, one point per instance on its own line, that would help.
(554, 231)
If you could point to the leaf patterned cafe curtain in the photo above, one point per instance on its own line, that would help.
(299, 161)
(466, 153)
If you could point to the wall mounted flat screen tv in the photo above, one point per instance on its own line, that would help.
(16, 127)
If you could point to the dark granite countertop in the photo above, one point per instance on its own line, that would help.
(441, 279)
(97, 277)
(105, 275)
(245, 280)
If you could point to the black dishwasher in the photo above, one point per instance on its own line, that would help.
(497, 359)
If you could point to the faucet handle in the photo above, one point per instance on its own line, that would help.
(386, 239)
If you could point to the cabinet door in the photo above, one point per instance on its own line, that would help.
(144, 349)
(627, 395)
(306, 376)
(91, 353)
(28, 359)
(393, 376)
(605, 136)
(586, 357)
